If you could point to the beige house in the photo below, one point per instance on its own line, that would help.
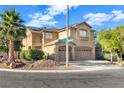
(52, 41)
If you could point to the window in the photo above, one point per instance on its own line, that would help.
(83, 33)
(48, 35)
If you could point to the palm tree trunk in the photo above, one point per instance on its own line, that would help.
(11, 52)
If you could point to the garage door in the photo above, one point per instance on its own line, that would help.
(62, 53)
(83, 53)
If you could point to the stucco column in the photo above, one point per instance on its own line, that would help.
(93, 53)
(57, 53)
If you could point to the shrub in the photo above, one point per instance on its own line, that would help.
(22, 54)
(107, 56)
(32, 54)
(36, 54)
(27, 55)
(45, 55)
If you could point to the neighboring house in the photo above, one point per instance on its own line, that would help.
(52, 41)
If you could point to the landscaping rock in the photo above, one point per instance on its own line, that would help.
(45, 63)
(5, 64)
(18, 60)
(19, 64)
(12, 65)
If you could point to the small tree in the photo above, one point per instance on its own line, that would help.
(113, 41)
(118, 42)
(104, 38)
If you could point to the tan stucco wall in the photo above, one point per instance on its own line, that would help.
(28, 40)
(62, 35)
(51, 50)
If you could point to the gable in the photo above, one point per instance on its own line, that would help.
(84, 23)
(83, 26)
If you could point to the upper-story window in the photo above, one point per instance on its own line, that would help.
(48, 35)
(82, 33)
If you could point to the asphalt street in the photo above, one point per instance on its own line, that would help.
(92, 79)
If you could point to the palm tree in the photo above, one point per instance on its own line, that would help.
(12, 30)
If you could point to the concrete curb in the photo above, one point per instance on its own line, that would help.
(42, 71)
(50, 71)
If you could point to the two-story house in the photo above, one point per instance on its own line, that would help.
(52, 41)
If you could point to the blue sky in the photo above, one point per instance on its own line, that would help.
(98, 16)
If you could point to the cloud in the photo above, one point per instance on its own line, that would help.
(54, 10)
(39, 20)
(119, 15)
(40, 16)
(41, 23)
(99, 18)
(47, 18)
(58, 9)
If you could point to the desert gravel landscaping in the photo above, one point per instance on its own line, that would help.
(40, 65)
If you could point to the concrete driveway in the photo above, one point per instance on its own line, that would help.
(92, 65)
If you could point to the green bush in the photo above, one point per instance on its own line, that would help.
(45, 55)
(36, 54)
(22, 54)
(27, 55)
(107, 56)
(32, 54)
